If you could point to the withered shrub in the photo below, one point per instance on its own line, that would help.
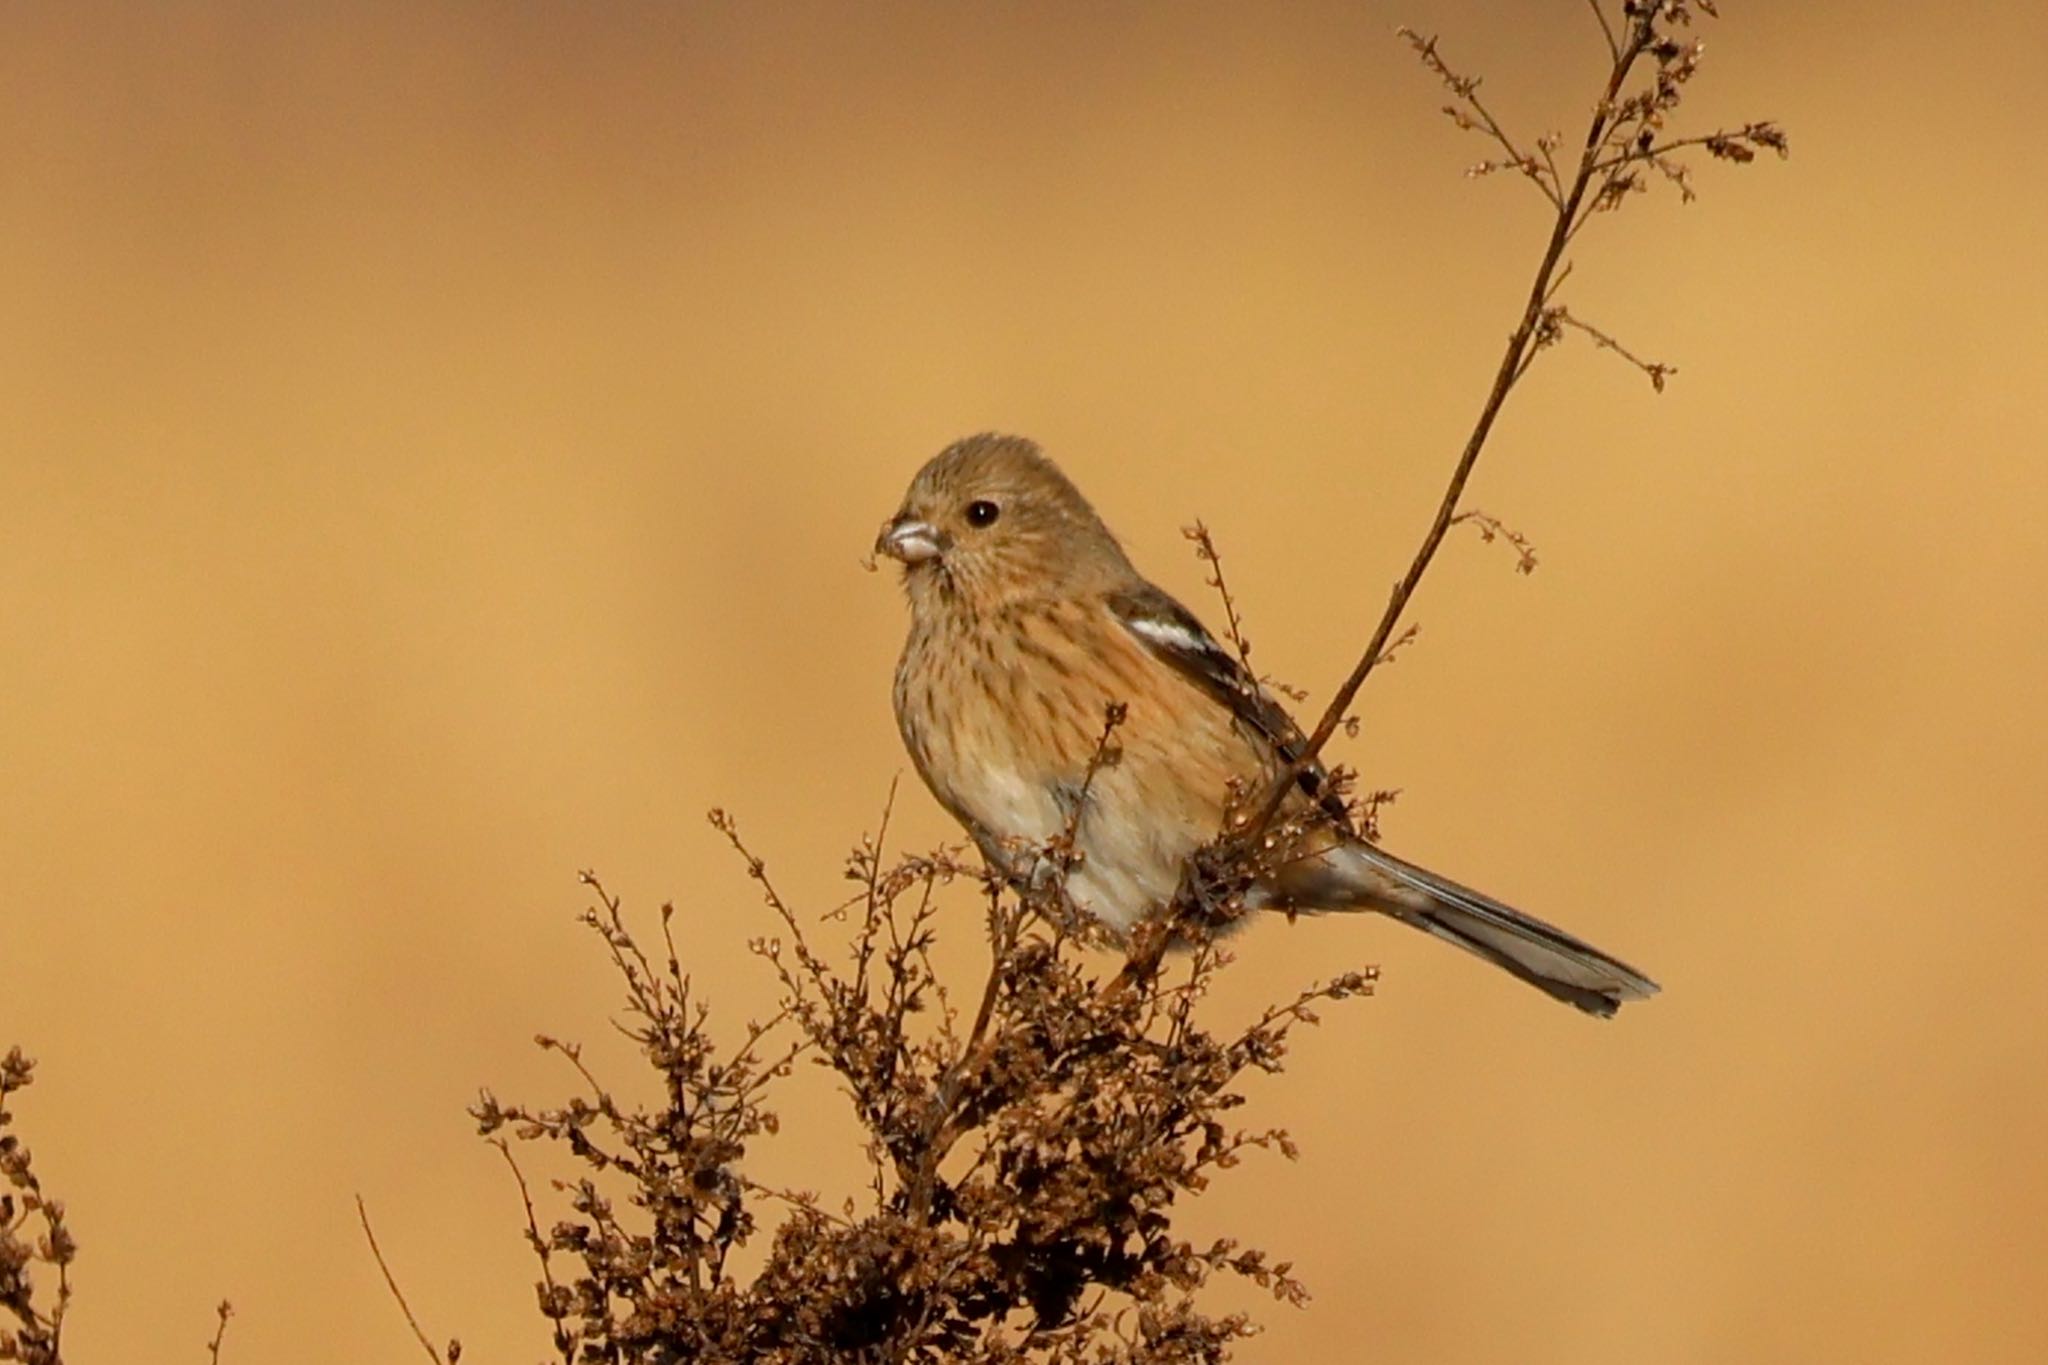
(32, 1235)
(1026, 1147)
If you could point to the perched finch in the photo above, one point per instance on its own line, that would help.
(1027, 622)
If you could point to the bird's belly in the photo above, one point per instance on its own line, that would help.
(1008, 804)
(1132, 850)
(1130, 859)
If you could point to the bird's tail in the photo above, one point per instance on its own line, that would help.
(1358, 875)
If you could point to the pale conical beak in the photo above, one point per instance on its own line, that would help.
(910, 540)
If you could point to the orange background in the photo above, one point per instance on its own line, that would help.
(436, 452)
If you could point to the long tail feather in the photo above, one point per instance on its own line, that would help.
(1359, 875)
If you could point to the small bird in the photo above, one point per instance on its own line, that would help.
(1027, 622)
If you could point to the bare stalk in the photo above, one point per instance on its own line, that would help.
(222, 1312)
(391, 1283)
(1596, 162)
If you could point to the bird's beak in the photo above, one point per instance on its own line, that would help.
(910, 540)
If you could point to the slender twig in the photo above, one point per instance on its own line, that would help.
(1517, 158)
(391, 1283)
(1733, 145)
(864, 947)
(1205, 550)
(1546, 144)
(1466, 88)
(1613, 46)
(1492, 528)
(1505, 375)
(937, 1137)
(540, 1249)
(223, 1311)
(796, 1201)
(63, 1305)
(1656, 371)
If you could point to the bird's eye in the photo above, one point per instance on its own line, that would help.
(982, 513)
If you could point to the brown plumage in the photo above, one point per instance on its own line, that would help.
(1028, 621)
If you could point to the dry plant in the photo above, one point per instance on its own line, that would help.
(1626, 146)
(222, 1311)
(32, 1235)
(1028, 1146)
(1030, 1141)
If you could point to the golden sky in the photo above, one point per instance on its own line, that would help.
(437, 448)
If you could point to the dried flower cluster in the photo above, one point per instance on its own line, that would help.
(32, 1233)
(1026, 1149)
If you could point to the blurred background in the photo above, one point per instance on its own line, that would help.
(437, 450)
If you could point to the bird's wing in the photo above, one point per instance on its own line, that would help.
(1172, 634)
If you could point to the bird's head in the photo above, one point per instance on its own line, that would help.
(990, 520)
